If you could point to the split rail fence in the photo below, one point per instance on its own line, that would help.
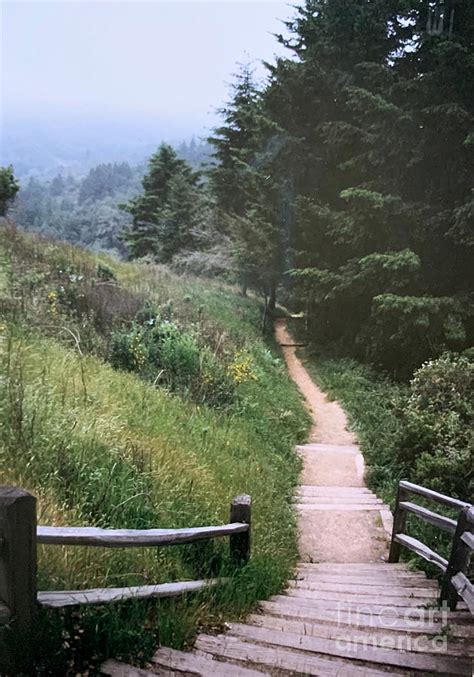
(20, 535)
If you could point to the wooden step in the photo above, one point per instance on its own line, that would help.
(358, 598)
(432, 624)
(333, 490)
(278, 660)
(335, 501)
(390, 589)
(367, 635)
(198, 663)
(439, 664)
(375, 580)
(345, 567)
(340, 507)
(354, 605)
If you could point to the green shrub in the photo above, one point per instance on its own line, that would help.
(417, 328)
(174, 352)
(128, 349)
(215, 386)
(105, 273)
(164, 354)
(436, 447)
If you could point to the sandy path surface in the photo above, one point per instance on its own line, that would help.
(345, 529)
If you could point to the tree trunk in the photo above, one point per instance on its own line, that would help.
(272, 296)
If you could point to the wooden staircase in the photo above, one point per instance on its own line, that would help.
(334, 619)
(351, 614)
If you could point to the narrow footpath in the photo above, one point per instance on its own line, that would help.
(332, 497)
(345, 612)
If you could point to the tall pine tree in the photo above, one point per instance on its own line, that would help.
(165, 214)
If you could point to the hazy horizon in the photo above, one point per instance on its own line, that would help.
(101, 73)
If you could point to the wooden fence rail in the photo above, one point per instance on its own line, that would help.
(455, 583)
(20, 535)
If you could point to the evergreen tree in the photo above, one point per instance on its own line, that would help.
(236, 143)
(163, 216)
(242, 180)
(353, 167)
(381, 189)
(9, 187)
(58, 186)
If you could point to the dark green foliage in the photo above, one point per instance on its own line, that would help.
(413, 327)
(80, 211)
(165, 216)
(105, 273)
(242, 182)
(436, 448)
(365, 142)
(235, 144)
(166, 355)
(9, 187)
(102, 181)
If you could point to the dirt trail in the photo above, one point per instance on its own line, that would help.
(333, 500)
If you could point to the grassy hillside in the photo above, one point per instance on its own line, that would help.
(201, 410)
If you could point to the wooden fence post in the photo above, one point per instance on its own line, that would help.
(459, 559)
(240, 511)
(17, 574)
(399, 519)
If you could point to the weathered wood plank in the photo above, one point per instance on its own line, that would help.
(459, 558)
(358, 598)
(199, 664)
(338, 500)
(340, 507)
(444, 523)
(468, 539)
(280, 659)
(398, 525)
(387, 520)
(355, 606)
(332, 490)
(422, 550)
(371, 636)
(465, 589)
(433, 495)
(374, 580)
(239, 545)
(390, 589)
(360, 466)
(17, 572)
(132, 538)
(63, 598)
(430, 623)
(445, 665)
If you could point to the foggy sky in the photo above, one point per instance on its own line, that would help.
(109, 59)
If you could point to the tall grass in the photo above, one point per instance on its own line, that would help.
(101, 447)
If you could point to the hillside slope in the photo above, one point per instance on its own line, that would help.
(134, 398)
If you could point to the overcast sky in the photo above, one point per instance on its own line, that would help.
(107, 58)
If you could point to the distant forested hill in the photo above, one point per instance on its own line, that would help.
(84, 209)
